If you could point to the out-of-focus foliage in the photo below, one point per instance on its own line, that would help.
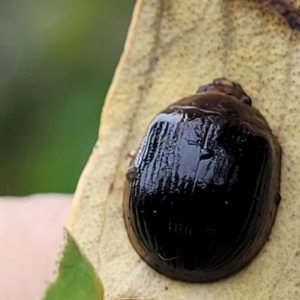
(57, 59)
(76, 278)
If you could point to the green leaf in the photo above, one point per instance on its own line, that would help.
(76, 278)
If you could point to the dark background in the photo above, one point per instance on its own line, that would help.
(57, 59)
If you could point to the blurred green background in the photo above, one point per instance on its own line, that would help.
(57, 59)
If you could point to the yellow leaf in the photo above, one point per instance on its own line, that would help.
(172, 48)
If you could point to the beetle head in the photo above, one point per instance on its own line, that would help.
(227, 87)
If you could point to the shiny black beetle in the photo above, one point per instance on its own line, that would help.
(202, 192)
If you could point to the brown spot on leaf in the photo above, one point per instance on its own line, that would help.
(111, 188)
(288, 11)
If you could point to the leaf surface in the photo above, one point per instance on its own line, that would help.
(172, 48)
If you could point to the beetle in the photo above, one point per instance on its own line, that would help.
(202, 192)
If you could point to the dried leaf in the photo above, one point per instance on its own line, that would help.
(172, 48)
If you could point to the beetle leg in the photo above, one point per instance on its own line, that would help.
(131, 154)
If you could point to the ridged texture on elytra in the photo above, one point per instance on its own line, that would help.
(202, 198)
